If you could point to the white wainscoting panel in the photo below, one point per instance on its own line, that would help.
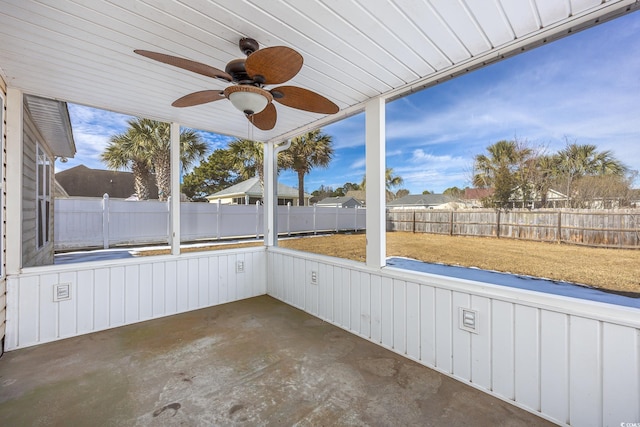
(108, 294)
(571, 361)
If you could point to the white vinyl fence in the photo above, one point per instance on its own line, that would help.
(102, 223)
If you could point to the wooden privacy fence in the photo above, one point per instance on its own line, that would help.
(618, 228)
(81, 223)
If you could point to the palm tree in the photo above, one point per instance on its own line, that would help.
(123, 153)
(390, 180)
(249, 158)
(313, 149)
(579, 160)
(155, 136)
(149, 142)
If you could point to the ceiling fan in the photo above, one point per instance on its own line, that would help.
(249, 76)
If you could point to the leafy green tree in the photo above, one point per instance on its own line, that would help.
(322, 193)
(401, 193)
(149, 141)
(454, 192)
(427, 192)
(215, 173)
(308, 151)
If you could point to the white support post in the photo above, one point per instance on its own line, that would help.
(13, 226)
(270, 196)
(174, 235)
(375, 175)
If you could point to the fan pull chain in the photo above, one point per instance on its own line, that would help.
(250, 128)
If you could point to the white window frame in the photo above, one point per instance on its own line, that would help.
(43, 196)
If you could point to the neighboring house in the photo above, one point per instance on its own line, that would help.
(422, 201)
(250, 191)
(554, 199)
(81, 181)
(359, 195)
(472, 197)
(47, 136)
(343, 202)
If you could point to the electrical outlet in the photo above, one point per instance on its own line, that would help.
(314, 277)
(468, 320)
(239, 266)
(62, 292)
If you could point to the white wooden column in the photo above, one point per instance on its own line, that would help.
(13, 227)
(270, 196)
(174, 209)
(375, 191)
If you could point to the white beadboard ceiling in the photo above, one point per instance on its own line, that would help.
(81, 51)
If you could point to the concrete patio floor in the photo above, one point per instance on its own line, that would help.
(247, 363)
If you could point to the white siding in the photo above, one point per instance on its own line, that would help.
(106, 295)
(570, 361)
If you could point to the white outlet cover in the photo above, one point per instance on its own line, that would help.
(62, 292)
(468, 320)
(239, 266)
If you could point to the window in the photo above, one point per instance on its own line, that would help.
(43, 196)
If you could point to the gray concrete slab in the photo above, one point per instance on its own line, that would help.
(247, 363)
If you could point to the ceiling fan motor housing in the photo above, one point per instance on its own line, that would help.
(248, 45)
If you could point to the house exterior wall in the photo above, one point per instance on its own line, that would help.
(31, 254)
(570, 361)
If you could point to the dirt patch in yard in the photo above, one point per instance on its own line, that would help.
(613, 269)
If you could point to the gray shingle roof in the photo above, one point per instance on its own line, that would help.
(332, 201)
(421, 200)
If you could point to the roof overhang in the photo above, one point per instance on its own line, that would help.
(354, 51)
(53, 121)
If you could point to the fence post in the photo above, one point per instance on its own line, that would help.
(559, 227)
(258, 219)
(105, 221)
(498, 223)
(218, 215)
(337, 212)
(355, 219)
(451, 223)
(169, 219)
(314, 219)
(288, 218)
(413, 224)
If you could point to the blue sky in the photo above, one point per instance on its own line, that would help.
(583, 88)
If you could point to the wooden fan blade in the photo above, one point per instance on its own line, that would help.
(265, 119)
(273, 65)
(303, 99)
(186, 64)
(198, 98)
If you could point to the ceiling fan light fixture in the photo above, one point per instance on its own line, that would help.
(248, 99)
